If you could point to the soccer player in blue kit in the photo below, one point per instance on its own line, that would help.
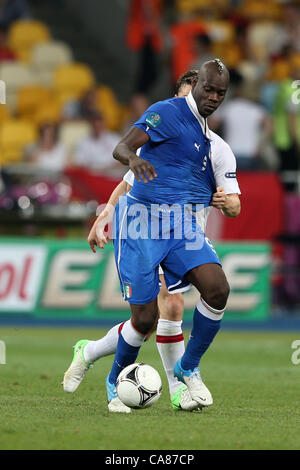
(173, 168)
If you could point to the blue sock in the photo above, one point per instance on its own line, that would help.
(203, 332)
(125, 355)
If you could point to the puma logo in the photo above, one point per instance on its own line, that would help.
(197, 146)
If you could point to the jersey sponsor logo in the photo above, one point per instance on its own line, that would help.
(231, 174)
(153, 120)
(197, 146)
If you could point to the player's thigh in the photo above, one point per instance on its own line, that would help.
(210, 280)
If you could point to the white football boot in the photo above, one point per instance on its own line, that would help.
(192, 379)
(78, 368)
(114, 403)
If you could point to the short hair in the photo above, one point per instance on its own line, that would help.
(186, 79)
(220, 65)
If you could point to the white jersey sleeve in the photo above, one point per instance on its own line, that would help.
(129, 176)
(224, 165)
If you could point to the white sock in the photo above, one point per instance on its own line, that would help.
(170, 345)
(131, 335)
(104, 346)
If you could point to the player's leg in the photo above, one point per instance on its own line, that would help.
(211, 282)
(86, 353)
(169, 335)
(131, 338)
(170, 340)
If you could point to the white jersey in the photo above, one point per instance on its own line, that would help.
(224, 168)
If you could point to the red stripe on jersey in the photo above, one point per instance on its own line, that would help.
(169, 339)
(120, 327)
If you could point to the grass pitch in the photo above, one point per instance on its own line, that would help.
(250, 374)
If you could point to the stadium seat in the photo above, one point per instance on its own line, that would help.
(45, 57)
(74, 79)
(15, 75)
(47, 112)
(220, 31)
(15, 134)
(109, 107)
(5, 113)
(258, 10)
(24, 34)
(190, 6)
(71, 133)
(30, 99)
(229, 52)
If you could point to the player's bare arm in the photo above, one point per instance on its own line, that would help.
(96, 236)
(229, 204)
(125, 152)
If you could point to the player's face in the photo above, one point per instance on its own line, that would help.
(209, 94)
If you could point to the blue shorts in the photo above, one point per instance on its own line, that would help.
(146, 236)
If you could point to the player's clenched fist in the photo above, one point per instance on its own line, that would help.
(98, 236)
(143, 170)
(219, 198)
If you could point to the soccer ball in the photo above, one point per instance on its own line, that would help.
(139, 385)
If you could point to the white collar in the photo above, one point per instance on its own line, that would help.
(193, 107)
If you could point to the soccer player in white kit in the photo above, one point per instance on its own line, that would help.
(169, 335)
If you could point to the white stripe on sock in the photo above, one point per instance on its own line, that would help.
(208, 311)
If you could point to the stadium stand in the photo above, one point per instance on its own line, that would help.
(24, 34)
(45, 57)
(15, 134)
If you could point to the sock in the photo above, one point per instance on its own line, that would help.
(130, 341)
(170, 345)
(104, 346)
(206, 325)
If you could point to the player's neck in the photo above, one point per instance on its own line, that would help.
(196, 99)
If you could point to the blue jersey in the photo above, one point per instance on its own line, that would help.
(179, 151)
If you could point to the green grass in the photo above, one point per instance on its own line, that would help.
(250, 374)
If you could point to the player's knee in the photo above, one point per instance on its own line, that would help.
(145, 323)
(217, 296)
(175, 307)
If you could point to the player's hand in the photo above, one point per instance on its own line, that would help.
(143, 170)
(219, 198)
(97, 234)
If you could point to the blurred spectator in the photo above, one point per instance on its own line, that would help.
(183, 34)
(47, 154)
(138, 105)
(291, 23)
(287, 123)
(203, 50)
(144, 36)
(246, 126)
(82, 108)
(12, 10)
(5, 52)
(95, 151)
